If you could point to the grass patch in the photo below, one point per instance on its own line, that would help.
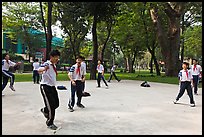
(142, 76)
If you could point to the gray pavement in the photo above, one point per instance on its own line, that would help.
(123, 109)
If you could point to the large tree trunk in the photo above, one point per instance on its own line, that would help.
(170, 42)
(49, 30)
(106, 41)
(43, 23)
(95, 49)
(182, 40)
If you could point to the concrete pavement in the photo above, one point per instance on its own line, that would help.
(123, 109)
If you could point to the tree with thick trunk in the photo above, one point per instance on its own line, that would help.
(170, 41)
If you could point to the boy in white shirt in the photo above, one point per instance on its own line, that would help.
(196, 71)
(100, 70)
(48, 89)
(77, 77)
(36, 76)
(6, 64)
(186, 83)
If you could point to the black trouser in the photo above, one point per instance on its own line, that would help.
(83, 86)
(6, 75)
(195, 83)
(100, 76)
(36, 76)
(186, 85)
(78, 90)
(51, 100)
(111, 75)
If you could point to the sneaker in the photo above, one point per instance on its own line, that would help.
(196, 94)
(119, 80)
(80, 105)
(70, 108)
(45, 114)
(109, 81)
(192, 105)
(175, 101)
(52, 127)
(12, 88)
(3, 94)
(106, 87)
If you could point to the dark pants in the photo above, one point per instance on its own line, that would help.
(195, 83)
(186, 85)
(83, 86)
(78, 90)
(51, 100)
(100, 76)
(111, 75)
(36, 76)
(6, 76)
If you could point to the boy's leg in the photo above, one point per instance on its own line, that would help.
(115, 76)
(110, 77)
(182, 90)
(5, 81)
(47, 92)
(104, 80)
(99, 79)
(190, 93)
(195, 83)
(72, 99)
(79, 87)
(34, 80)
(38, 77)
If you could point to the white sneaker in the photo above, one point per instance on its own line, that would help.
(192, 105)
(175, 101)
(106, 87)
(12, 88)
(3, 94)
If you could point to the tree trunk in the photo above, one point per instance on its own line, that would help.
(105, 43)
(182, 40)
(49, 30)
(151, 65)
(95, 49)
(170, 42)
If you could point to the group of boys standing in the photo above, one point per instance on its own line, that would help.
(77, 72)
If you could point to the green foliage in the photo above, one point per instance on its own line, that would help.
(193, 42)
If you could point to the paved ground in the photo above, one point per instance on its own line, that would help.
(123, 109)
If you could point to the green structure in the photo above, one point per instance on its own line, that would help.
(19, 48)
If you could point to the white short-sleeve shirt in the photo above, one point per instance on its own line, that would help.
(100, 68)
(6, 65)
(185, 77)
(36, 65)
(196, 70)
(49, 76)
(74, 74)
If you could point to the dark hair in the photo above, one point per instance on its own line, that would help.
(4, 55)
(195, 60)
(36, 60)
(54, 53)
(186, 63)
(116, 64)
(79, 57)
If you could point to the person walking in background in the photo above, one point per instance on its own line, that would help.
(48, 89)
(6, 74)
(77, 77)
(112, 73)
(100, 70)
(83, 64)
(196, 71)
(36, 76)
(186, 83)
